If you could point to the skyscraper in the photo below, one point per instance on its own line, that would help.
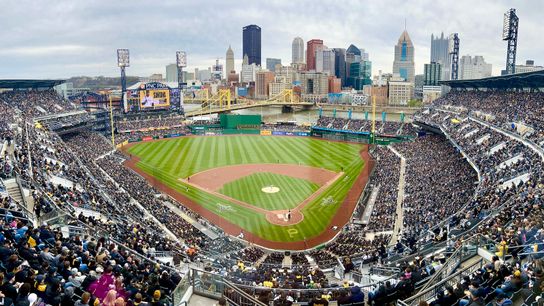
(340, 64)
(252, 43)
(404, 58)
(433, 74)
(440, 54)
(172, 73)
(324, 61)
(474, 68)
(312, 46)
(298, 51)
(229, 62)
(353, 54)
(271, 63)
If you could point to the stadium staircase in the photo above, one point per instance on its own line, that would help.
(261, 260)
(21, 196)
(473, 255)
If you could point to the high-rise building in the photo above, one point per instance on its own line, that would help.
(353, 54)
(473, 68)
(252, 43)
(432, 74)
(311, 48)
(335, 84)
(400, 91)
(404, 64)
(172, 73)
(249, 71)
(352, 49)
(314, 83)
(217, 70)
(528, 67)
(229, 62)
(271, 63)
(324, 61)
(340, 64)
(263, 79)
(360, 74)
(297, 51)
(440, 54)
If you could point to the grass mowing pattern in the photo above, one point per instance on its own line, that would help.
(248, 189)
(168, 160)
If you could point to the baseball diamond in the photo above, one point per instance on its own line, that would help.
(233, 170)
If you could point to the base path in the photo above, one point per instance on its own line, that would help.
(341, 217)
(214, 179)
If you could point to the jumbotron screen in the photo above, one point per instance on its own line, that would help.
(153, 98)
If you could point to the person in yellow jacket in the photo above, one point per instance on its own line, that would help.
(502, 249)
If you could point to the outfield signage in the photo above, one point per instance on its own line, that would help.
(282, 133)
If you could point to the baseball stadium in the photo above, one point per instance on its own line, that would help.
(309, 184)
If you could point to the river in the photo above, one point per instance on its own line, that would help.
(273, 114)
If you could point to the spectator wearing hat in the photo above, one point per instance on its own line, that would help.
(157, 301)
(514, 283)
(357, 296)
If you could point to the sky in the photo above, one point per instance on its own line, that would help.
(64, 38)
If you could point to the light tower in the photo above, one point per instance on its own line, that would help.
(123, 61)
(510, 34)
(181, 61)
(454, 53)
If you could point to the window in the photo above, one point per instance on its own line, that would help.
(403, 56)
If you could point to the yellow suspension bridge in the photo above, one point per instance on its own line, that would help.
(222, 102)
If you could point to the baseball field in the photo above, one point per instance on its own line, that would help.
(271, 189)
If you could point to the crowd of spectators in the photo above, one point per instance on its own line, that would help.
(386, 181)
(40, 266)
(80, 171)
(36, 103)
(438, 182)
(360, 125)
(502, 108)
(149, 123)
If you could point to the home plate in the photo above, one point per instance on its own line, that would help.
(270, 189)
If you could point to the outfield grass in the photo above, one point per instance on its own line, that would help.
(248, 189)
(169, 160)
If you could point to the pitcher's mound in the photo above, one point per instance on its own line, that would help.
(270, 189)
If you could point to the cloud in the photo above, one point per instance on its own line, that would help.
(64, 38)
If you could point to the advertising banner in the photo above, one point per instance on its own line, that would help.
(147, 138)
(266, 132)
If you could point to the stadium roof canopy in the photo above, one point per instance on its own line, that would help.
(20, 84)
(534, 79)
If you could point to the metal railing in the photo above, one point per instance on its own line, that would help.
(430, 293)
(454, 261)
(386, 271)
(180, 290)
(214, 285)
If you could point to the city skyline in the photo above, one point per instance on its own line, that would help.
(71, 39)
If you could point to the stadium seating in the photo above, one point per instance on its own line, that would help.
(481, 176)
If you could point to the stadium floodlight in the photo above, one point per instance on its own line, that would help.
(506, 30)
(123, 58)
(181, 58)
